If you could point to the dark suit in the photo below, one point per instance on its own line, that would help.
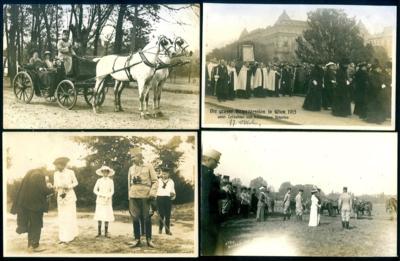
(210, 194)
(30, 204)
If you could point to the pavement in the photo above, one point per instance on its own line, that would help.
(278, 111)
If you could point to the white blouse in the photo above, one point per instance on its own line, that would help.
(104, 189)
(169, 187)
(64, 182)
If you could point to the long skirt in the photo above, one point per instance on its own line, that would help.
(313, 222)
(67, 221)
(313, 100)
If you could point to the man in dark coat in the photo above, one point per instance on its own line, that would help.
(387, 92)
(361, 81)
(210, 196)
(221, 81)
(286, 81)
(341, 102)
(329, 85)
(30, 204)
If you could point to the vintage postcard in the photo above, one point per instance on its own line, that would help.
(114, 194)
(101, 66)
(298, 194)
(299, 66)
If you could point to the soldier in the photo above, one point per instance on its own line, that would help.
(345, 206)
(286, 205)
(65, 51)
(299, 205)
(261, 205)
(210, 194)
(142, 188)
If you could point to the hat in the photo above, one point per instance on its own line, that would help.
(344, 188)
(135, 151)
(216, 155)
(166, 166)
(225, 177)
(103, 168)
(47, 52)
(314, 189)
(65, 31)
(261, 188)
(329, 64)
(61, 160)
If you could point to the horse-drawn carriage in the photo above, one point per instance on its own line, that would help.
(55, 85)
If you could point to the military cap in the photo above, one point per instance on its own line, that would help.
(211, 153)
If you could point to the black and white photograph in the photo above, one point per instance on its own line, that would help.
(129, 194)
(298, 194)
(94, 66)
(299, 66)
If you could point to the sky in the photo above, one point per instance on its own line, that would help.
(33, 150)
(365, 162)
(223, 23)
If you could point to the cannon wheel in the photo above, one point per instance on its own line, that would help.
(88, 95)
(23, 87)
(66, 94)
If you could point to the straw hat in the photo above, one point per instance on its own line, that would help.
(100, 171)
(61, 160)
(135, 151)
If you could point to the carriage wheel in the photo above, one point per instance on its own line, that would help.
(23, 87)
(66, 94)
(89, 95)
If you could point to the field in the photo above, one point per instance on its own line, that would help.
(179, 104)
(181, 242)
(369, 236)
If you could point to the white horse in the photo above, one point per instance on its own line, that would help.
(165, 64)
(139, 66)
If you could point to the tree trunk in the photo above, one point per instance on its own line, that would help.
(97, 33)
(48, 29)
(134, 29)
(118, 30)
(57, 32)
(12, 57)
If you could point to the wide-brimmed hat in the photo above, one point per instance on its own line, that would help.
(211, 153)
(61, 160)
(314, 189)
(47, 52)
(100, 171)
(329, 64)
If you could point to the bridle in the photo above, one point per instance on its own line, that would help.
(162, 46)
(179, 41)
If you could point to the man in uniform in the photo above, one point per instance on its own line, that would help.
(345, 206)
(65, 51)
(210, 194)
(142, 188)
(286, 205)
(299, 205)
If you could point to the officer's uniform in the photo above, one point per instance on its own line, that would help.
(345, 204)
(142, 184)
(65, 53)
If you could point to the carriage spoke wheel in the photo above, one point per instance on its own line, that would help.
(89, 95)
(23, 87)
(66, 94)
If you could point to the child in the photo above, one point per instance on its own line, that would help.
(104, 189)
(165, 195)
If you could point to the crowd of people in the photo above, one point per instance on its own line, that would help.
(221, 200)
(326, 86)
(148, 192)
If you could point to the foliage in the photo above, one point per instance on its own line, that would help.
(237, 182)
(258, 182)
(332, 36)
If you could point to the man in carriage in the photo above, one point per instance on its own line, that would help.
(65, 51)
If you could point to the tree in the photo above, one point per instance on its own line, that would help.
(331, 36)
(237, 182)
(283, 188)
(258, 182)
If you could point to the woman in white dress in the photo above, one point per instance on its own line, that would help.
(313, 222)
(104, 189)
(64, 183)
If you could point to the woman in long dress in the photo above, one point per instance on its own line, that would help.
(64, 183)
(104, 190)
(313, 222)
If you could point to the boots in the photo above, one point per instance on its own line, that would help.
(347, 225)
(99, 229)
(106, 229)
(150, 243)
(343, 224)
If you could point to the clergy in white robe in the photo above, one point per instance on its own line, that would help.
(233, 80)
(270, 81)
(64, 183)
(242, 78)
(313, 222)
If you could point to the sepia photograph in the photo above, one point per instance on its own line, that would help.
(130, 194)
(299, 66)
(298, 194)
(94, 66)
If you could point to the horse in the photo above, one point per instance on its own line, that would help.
(139, 66)
(391, 207)
(160, 76)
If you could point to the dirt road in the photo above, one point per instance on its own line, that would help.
(179, 104)
(181, 242)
